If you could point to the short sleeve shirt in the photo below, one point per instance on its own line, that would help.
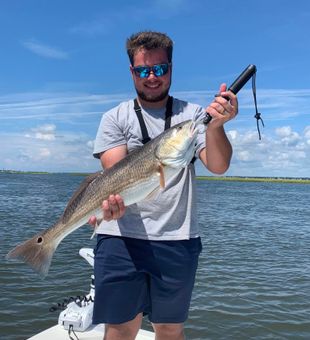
(171, 213)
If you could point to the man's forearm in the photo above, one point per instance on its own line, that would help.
(218, 150)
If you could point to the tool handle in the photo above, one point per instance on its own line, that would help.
(237, 85)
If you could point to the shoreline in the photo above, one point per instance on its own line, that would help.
(255, 179)
(200, 178)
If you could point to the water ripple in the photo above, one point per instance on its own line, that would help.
(253, 280)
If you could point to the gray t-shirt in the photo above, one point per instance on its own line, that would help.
(171, 214)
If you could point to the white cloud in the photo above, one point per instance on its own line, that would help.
(90, 144)
(55, 106)
(287, 135)
(56, 131)
(244, 155)
(44, 132)
(307, 132)
(284, 131)
(233, 134)
(44, 152)
(44, 50)
(71, 152)
(286, 153)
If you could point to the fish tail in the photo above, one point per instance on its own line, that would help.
(37, 252)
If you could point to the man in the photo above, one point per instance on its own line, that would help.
(147, 254)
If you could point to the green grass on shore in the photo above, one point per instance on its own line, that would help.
(208, 178)
(255, 179)
(19, 172)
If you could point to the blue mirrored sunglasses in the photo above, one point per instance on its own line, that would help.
(158, 70)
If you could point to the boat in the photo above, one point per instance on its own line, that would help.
(75, 321)
(92, 333)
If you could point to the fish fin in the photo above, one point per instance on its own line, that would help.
(37, 252)
(160, 172)
(78, 194)
(98, 221)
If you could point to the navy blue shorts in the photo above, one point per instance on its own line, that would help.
(135, 276)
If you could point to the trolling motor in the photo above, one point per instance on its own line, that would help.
(249, 72)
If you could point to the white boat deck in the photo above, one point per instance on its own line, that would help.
(92, 333)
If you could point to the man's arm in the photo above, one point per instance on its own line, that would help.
(112, 156)
(217, 155)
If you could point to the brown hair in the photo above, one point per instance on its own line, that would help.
(148, 40)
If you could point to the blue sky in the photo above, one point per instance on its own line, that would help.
(63, 64)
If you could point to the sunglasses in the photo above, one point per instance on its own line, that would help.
(158, 70)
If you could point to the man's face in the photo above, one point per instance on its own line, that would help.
(151, 89)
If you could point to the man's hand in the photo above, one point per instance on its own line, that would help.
(112, 208)
(221, 109)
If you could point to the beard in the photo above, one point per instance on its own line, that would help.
(151, 98)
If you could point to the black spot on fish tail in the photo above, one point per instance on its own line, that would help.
(37, 252)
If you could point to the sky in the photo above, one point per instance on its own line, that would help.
(63, 64)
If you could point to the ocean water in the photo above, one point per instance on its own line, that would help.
(253, 280)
